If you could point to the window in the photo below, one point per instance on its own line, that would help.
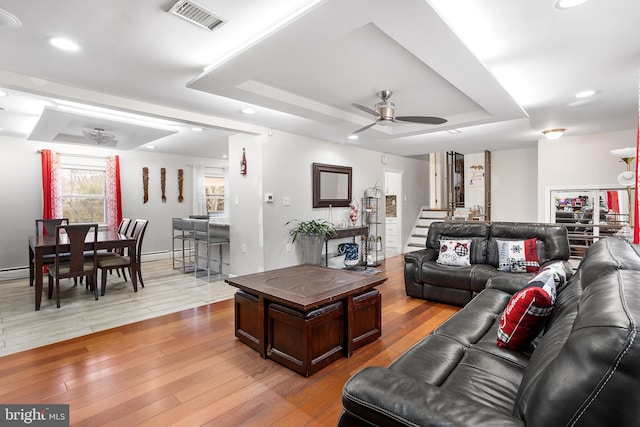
(214, 191)
(83, 194)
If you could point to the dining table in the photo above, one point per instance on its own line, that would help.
(108, 238)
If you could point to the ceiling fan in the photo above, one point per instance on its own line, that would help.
(385, 111)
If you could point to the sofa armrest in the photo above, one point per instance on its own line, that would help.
(384, 397)
(413, 263)
(418, 257)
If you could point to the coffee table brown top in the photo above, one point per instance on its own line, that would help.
(305, 287)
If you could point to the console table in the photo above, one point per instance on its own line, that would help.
(342, 233)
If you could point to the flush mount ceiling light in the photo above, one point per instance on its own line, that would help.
(554, 133)
(567, 4)
(64, 44)
(100, 137)
(353, 137)
(248, 111)
(196, 129)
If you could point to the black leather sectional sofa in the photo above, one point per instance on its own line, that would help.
(584, 370)
(425, 278)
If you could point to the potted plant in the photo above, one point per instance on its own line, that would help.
(374, 192)
(312, 236)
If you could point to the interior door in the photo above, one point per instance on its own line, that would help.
(393, 212)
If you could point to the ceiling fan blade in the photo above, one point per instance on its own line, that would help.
(365, 128)
(366, 110)
(422, 119)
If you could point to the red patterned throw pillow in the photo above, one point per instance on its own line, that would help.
(518, 256)
(525, 315)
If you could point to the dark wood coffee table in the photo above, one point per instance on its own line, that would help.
(307, 316)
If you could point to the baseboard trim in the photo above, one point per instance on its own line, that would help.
(23, 272)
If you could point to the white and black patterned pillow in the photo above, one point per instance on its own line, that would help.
(454, 252)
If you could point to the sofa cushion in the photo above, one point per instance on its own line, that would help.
(477, 232)
(454, 252)
(552, 240)
(518, 256)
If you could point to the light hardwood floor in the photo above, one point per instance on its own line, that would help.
(187, 368)
(167, 291)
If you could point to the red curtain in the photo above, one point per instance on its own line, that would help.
(613, 202)
(51, 202)
(114, 194)
(636, 223)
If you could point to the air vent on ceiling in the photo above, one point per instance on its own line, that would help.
(196, 14)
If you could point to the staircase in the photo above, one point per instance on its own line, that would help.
(418, 235)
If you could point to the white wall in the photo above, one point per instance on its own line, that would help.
(21, 193)
(521, 179)
(514, 176)
(576, 161)
(287, 171)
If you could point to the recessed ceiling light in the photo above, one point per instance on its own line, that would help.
(224, 156)
(585, 94)
(196, 129)
(8, 20)
(64, 44)
(248, 111)
(567, 4)
(353, 137)
(3, 93)
(150, 147)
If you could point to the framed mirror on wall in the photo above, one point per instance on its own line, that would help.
(331, 185)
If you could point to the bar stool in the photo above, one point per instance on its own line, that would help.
(205, 240)
(183, 232)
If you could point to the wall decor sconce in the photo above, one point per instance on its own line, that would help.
(180, 182)
(145, 184)
(163, 183)
(243, 163)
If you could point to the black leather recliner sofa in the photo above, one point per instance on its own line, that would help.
(425, 278)
(584, 370)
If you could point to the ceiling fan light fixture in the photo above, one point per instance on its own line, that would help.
(100, 137)
(553, 134)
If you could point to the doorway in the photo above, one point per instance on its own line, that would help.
(393, 212)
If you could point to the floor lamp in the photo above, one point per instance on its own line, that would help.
(627, 177)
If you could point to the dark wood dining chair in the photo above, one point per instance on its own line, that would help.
(43, 227)
(125, 227)
(77, 264)
(124, 261)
